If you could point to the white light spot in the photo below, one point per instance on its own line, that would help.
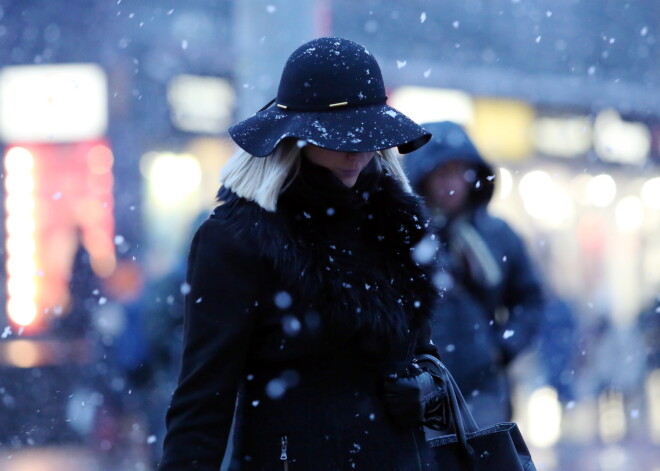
(422, 17)
(508, 333)
(401, 64)
(185, 288)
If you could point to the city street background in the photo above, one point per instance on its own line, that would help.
(113, 131)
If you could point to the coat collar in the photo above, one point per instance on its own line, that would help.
(356, 264)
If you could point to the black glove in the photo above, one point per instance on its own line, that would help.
(410, 398)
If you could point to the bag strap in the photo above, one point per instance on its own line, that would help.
(463, 419)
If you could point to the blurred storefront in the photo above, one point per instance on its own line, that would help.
(58, 241)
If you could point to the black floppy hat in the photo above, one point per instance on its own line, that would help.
(332, 95)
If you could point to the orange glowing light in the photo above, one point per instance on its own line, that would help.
(58, 198)
(100, 159)
(23, 354)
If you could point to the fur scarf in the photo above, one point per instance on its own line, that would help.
(348, 254)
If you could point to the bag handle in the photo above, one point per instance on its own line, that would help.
(463, 419)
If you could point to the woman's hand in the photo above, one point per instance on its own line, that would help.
(409, 398)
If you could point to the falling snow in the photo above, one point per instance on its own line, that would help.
(517, 49)
(283, 300)
(425, 250)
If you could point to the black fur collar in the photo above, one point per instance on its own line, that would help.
(346, 253)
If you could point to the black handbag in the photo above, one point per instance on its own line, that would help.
(499, 447)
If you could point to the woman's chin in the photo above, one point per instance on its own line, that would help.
(349, 182)
(348, 178)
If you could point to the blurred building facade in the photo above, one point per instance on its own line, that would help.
(562, 96)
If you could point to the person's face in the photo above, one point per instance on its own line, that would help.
(448, 187)
(346, 166)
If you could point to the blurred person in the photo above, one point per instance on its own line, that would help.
(163, 312)
(163, 317)
(120, 431)
(557, 346)
(649, 326)
(306, 306)
(124, 320)
(493, 303)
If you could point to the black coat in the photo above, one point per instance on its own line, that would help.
(299, 314)
(480, 329)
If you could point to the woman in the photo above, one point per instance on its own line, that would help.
(307, 303)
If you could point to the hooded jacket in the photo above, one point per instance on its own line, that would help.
(493, 299)
(293, 320)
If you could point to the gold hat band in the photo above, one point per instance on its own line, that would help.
(331, 105)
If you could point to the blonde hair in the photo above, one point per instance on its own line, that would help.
(262, 179)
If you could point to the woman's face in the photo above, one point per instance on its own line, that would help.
(344, 165)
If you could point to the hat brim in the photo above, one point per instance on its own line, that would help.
(352, 129)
